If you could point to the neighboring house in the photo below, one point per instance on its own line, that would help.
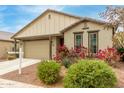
(40, 38)
(6, 44)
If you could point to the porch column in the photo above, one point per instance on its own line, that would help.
(50, 47)
(15, 46)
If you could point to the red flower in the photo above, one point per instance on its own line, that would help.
(63, 51)
(107, 54)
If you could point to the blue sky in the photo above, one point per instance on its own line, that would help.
(13, 18)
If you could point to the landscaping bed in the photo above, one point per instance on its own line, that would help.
(29, 76)
(119, 70)
(84, 70)
(1, 60)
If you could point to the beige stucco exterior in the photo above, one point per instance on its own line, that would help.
(5, 46)
(104, 35)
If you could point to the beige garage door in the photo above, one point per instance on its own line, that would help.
(36, 49)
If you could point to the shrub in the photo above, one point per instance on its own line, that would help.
(109, 55)
(48, 71)
(121, 53)
(120, 50)
(69, 56)
(90, 74)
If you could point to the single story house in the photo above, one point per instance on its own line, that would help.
(40, 38)
(6, 44)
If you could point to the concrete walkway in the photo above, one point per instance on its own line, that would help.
(8, 66)
(13, 84)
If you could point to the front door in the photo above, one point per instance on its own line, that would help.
(60, 41)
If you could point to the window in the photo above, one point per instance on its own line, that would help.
(93, 41)
(78, 39)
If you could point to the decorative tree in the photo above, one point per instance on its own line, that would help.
(114, 15)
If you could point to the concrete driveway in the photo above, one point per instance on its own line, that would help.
(8, 66)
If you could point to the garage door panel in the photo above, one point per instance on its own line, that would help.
(37, 49)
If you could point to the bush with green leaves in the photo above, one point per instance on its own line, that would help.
(48, 71)
(90, 74)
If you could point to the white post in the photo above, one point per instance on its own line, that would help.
(20, 59)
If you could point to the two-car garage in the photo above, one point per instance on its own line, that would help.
(38, 49)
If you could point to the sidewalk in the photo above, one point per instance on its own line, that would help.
(14, 84)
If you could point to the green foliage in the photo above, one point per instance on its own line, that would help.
(48, 71)
(67, 62)
(90, 74)
(121, 53)
(120, 50)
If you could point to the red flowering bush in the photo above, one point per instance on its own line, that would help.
(69, 56)
(109, 55)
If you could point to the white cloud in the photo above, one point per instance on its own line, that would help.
(38, 9)
(14, 28)
(18, 24)
(10, 28)
(5, 28)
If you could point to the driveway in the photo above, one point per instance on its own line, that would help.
(8, 66)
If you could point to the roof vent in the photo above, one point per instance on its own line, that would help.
(49, 16)
(85, 26)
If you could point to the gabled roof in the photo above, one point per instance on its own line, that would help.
(6, 36)
(63, 13)
(48, 10)
(85, 19)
